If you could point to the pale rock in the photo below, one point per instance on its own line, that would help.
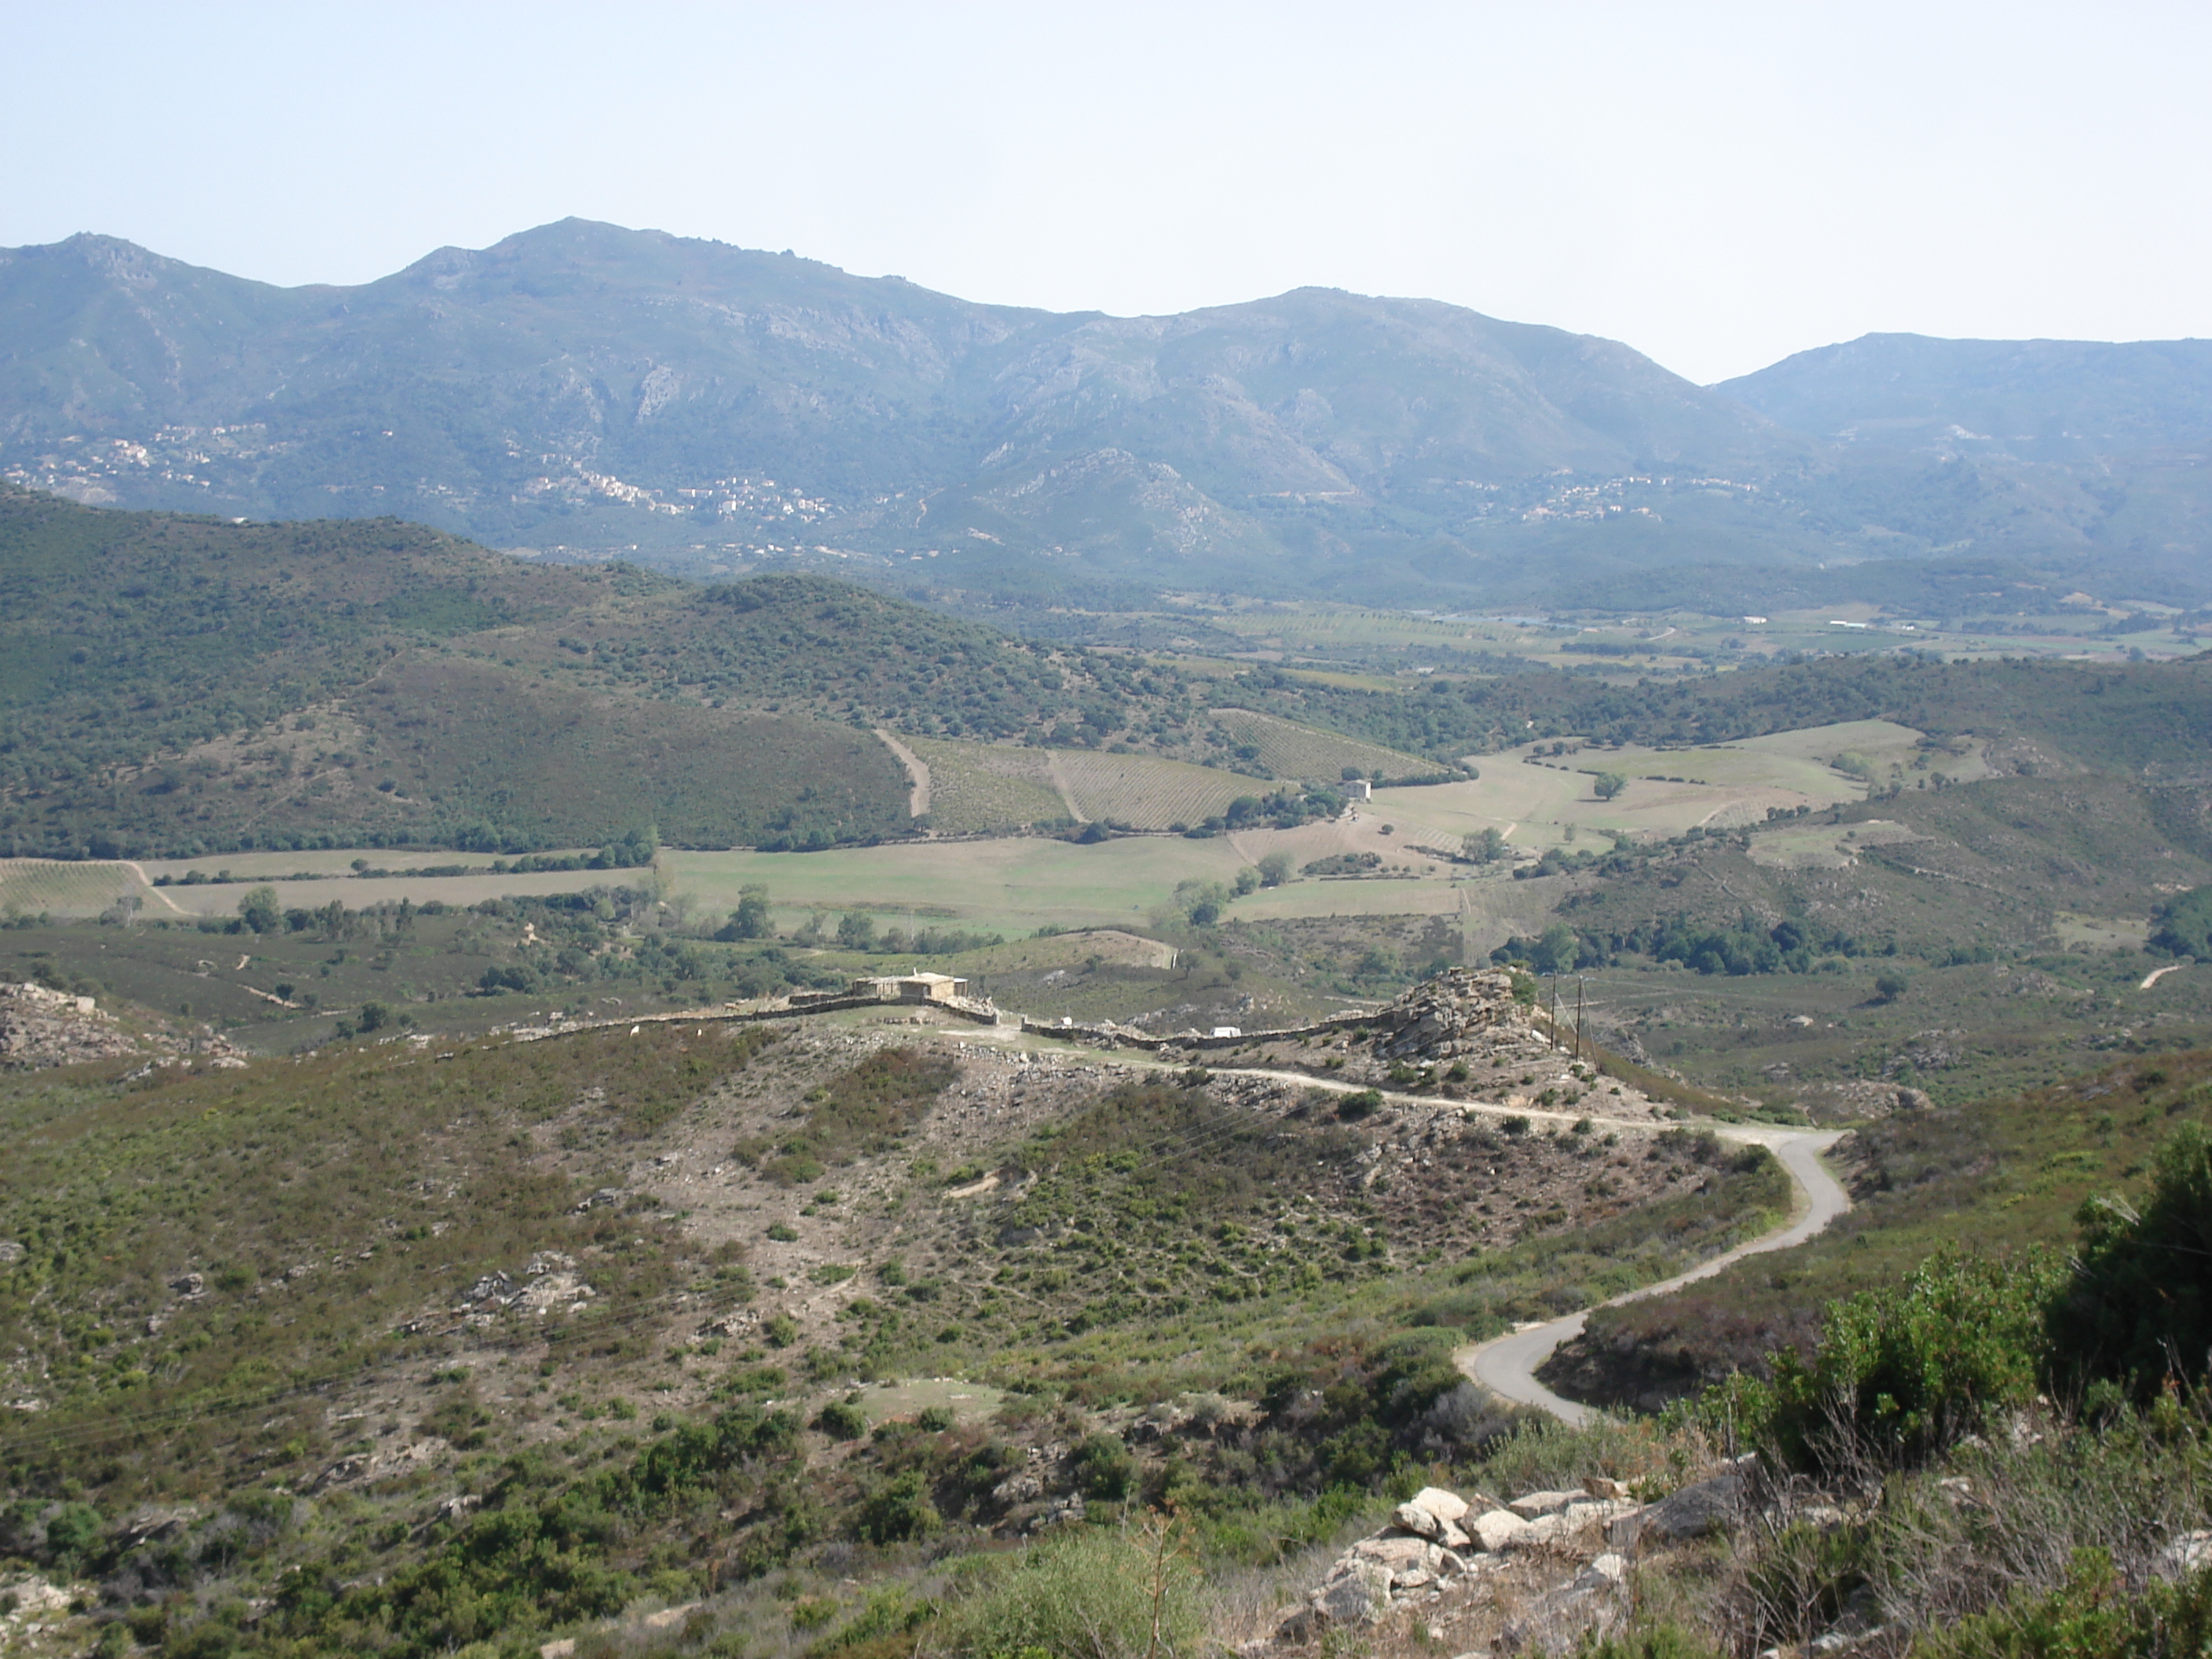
(1607, 1569)
(1444, 1505)
(1395, 1555)
(1412, 1518)
(1534, 1506)
(2185, 1551)
(1500, 1530)
(1600, 1485)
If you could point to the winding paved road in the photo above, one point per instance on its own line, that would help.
(1506, 1365)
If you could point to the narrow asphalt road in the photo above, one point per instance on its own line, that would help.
(1506, 1365)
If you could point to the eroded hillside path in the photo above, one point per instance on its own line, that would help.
(1507, 1364)
(917, 774)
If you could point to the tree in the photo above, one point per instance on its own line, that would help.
(1559, 951)
(1486, 848)
(1247, 881)
(856, 930)
(2185, 927)
(1610, 784)
(751, 919)
(1274, 869)
(1890, 985)
(259, 910)
(1202, 902)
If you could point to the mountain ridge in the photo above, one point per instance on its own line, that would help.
(584, 389)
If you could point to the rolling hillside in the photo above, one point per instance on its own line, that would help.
(174, 686)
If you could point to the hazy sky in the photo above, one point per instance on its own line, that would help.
(1718, 186)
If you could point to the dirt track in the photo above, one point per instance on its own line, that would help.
(1506, 1365)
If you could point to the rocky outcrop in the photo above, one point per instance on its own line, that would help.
(1438, 1542)
(1462, 1010)
(40, 1027)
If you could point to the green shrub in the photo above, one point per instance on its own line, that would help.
(2140, 1303)
(898, 1510)
(1103, 1467)
(1089, 1594)
(1902, 1375)
(2091, 1616)
(841, 1420)
(1660, 1642)
(1358, 1105)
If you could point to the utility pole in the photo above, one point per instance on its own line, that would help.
(1579, 982)
(1555, 1010)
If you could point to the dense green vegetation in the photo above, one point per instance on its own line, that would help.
(180, 685)
(2141, 717)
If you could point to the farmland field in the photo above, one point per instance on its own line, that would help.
(1290, 751)
(977, 789)
(1146, 792)
(28, 886)
(1535, 798)
(1016, 884)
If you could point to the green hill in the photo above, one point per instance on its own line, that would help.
(177, 685)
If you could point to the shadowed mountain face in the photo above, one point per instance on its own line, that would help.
(587, 389)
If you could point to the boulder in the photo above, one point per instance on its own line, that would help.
(1444, 1505)
(1608, 1571)
(1393, 1555)
(1693, 1511)
(1499, 1530)
(1358, 1594)
(1412, 1518)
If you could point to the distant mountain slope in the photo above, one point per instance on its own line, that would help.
(584, 389)
(595, 387)
(2061, 400)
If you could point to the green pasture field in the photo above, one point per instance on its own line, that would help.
(334, 862)
(1147, 792)
(1824, 846)
(1017, 884)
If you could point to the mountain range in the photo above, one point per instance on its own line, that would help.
(580, 389)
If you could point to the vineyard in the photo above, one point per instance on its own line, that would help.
(1290, 751)
(1146, 792)
(979, 790)
(28, 886)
